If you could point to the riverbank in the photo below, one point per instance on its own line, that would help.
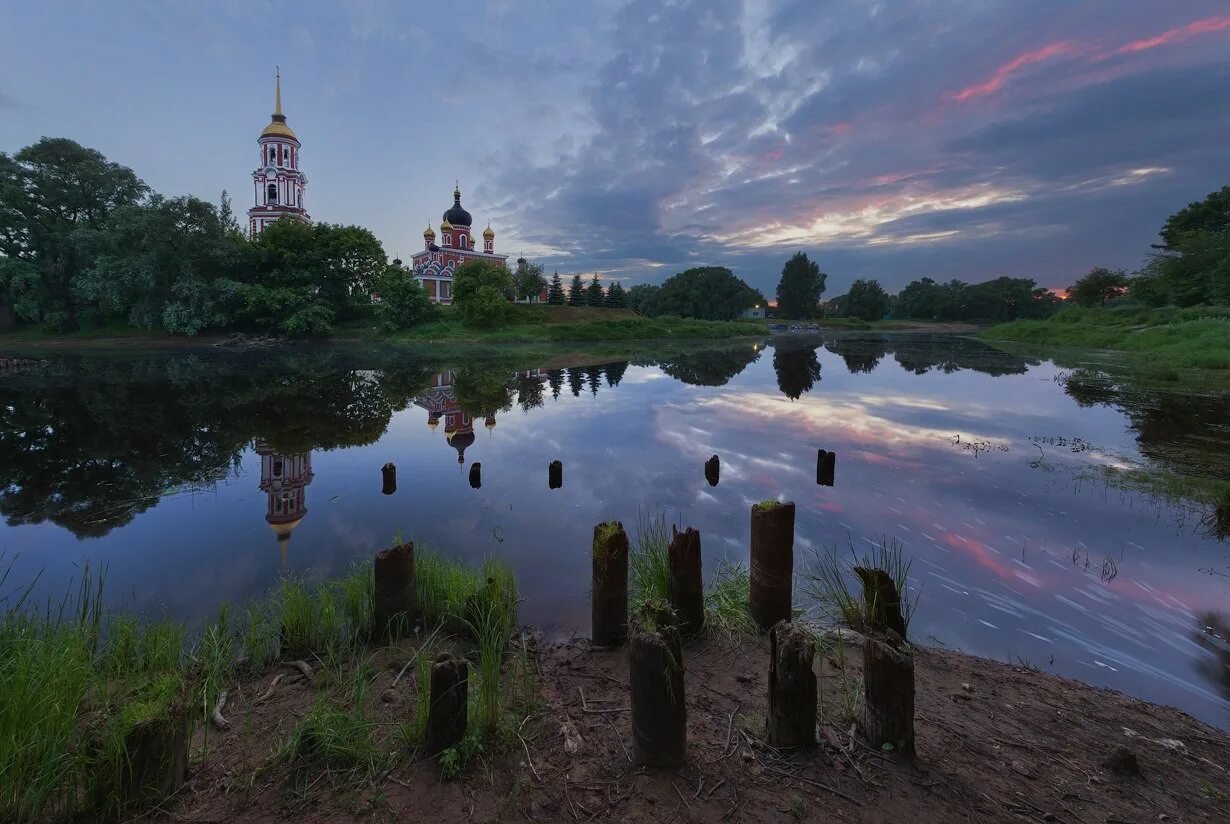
(1157, 342)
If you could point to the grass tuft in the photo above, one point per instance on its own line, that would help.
(649, 560)
(830, 580)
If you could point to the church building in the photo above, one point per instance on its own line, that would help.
(435, 264)
(277, 185)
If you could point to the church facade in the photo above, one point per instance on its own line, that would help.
(435, 264)
(278, 183)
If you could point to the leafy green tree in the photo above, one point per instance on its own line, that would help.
(48, 192)
(481, 291)
(529, 281)
(403, 300)
(555, 294)
(866, 300)
(1099, 286)
(1195, 270)
(594, 294)
(707, 292)
(576, 292)
(1208, 216)
(615, 296)
(641, 298)
(801, 285)
(797, 368)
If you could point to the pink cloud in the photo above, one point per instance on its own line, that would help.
(1177, 35)
(840, 128)
(1011, 67)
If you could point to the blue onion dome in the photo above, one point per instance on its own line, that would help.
(457, 215)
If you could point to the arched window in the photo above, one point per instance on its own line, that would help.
(286, 154)
(273, 154)
(272, 193)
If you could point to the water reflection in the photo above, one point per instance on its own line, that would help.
(111, 459)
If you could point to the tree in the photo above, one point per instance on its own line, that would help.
(555, 295)
(403, 301)
(866, 300)
(640, 297)
(707, 292)
(615, 296)
(1100, 285)
(801, 285)
(797, 368)
(594, 294)
(480, 292)
(529, 282)
(1208, 216)
(576, 292)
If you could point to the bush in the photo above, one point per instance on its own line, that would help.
(481, 291)
(403, 301)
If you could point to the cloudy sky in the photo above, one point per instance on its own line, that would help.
(891, 140)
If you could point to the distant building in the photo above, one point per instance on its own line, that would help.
(756, 311)
(284, 479)
(277, 185)
(435, 264)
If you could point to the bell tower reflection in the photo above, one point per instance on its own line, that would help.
(284, 479)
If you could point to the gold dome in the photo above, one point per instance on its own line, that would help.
(284, 529)
(487, 233)
(432, 424)
(446, 226)
(490, 423)
(429, 232)
(277, 126)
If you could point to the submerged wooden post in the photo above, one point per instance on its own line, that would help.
(888, 689)
(772, 562)
(388, 474)
(395, 600)
(446, 717)
(476, 475)
(826, 467)
(655, 672)
(791, 721)
(882, 601)
(610, 585)
(686, 589)
(555, 475)
(713, 470)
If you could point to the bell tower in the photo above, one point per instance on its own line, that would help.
(277, 184)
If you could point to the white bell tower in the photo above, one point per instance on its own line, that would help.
(277, 184)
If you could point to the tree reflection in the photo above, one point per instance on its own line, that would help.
(797, 368)
(948, 353)
(710, 368)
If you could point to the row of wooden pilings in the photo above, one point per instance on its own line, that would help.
(825, 470)
(655, 635)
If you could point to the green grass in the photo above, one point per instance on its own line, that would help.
(829, 579)
(726, 603)
(648, 560)
(1156, 340)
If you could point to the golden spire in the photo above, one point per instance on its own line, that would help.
(488, 232)
(277, 105)
(277, 125)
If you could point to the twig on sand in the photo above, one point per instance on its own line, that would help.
(816, 784)
(273, 685)
(621, 739)
(216, 716)
(302, 666)
(681, 796)
(585, 707)
(401, 673)
(529, 759)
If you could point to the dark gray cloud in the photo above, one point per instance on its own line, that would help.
(889, 140)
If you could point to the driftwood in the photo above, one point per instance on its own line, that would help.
(791, 721)
(655, 672)
(888, 688)
(216, 716)
(395, 601)
(686, 588)
(610, 585)
(303, 667)
(772, 567)
(446, 716)
(273, 685)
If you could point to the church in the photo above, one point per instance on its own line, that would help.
(277, 184)
(435, 264)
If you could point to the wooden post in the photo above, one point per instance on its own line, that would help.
(555, 475)
(826, 467)
(772, 563)
(610, 585)
(687, 590)
(791, 721)
(395, 600)
(476, 475)
(888, 689)
(446, 717)
(883, 602)
(713, 470)
(655, 672)
(388, 474)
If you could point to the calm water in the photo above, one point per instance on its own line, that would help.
(203, 478)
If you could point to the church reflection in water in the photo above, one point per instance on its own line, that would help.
(440, 401)
(284, 480)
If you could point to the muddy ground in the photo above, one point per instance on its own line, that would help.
(994, 743)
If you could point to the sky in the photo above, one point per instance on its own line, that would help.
(637, 138)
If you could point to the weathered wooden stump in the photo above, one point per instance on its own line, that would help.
(395, 600)
(476, 475)
(772, 563)
(888, 689)
(685, 586)
(450, 691)
(388, 474)
(826, 467)
(791, 722)
(882, 601)
(555, 475)
(610, 585)
(153, 763)
(655, 672)
(713, 470)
